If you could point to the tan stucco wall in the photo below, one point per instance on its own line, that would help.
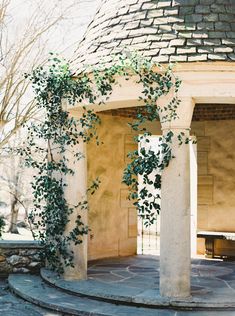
(112, 217)
(216, 185)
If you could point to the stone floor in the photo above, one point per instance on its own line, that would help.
(213, 281)
(41, 293)
(134, 279)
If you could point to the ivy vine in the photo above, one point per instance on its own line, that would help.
(156, 82)
(55, 132)
(48, 141)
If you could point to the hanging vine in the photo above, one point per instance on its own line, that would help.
(146, 164)
(56, 132)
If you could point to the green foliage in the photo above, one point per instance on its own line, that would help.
(48, 142)
(50, 138)
(156, 82)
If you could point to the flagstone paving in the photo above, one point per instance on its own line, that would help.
(136, 280)
(33, 289)
(111, 286)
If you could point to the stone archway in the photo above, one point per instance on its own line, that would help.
(201, 83)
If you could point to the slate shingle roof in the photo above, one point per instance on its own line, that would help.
(165, 30)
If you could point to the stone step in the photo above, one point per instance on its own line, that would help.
(113, 293)
(118, 293)
(33, 289)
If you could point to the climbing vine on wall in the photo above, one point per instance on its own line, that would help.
(55, 132)
(147, 164)
(50, 137)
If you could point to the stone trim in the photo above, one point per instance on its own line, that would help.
(23, 244)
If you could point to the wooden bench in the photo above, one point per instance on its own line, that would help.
(210, 237)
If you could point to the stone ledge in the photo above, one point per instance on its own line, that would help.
(13, 244)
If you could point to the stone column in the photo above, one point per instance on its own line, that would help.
(75, 192)
(175, 261)
(193, 195)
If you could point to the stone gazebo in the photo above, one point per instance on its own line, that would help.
(200, 36)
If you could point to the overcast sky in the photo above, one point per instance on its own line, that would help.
(68, 33)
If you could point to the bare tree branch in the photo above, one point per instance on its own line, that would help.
(21, 55)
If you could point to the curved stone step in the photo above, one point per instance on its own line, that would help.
(34, 290)
(120, 294)
(101, 291)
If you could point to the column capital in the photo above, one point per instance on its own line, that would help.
(184, 113)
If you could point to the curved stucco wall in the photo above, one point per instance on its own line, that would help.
(216, 199)
(113, 219)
